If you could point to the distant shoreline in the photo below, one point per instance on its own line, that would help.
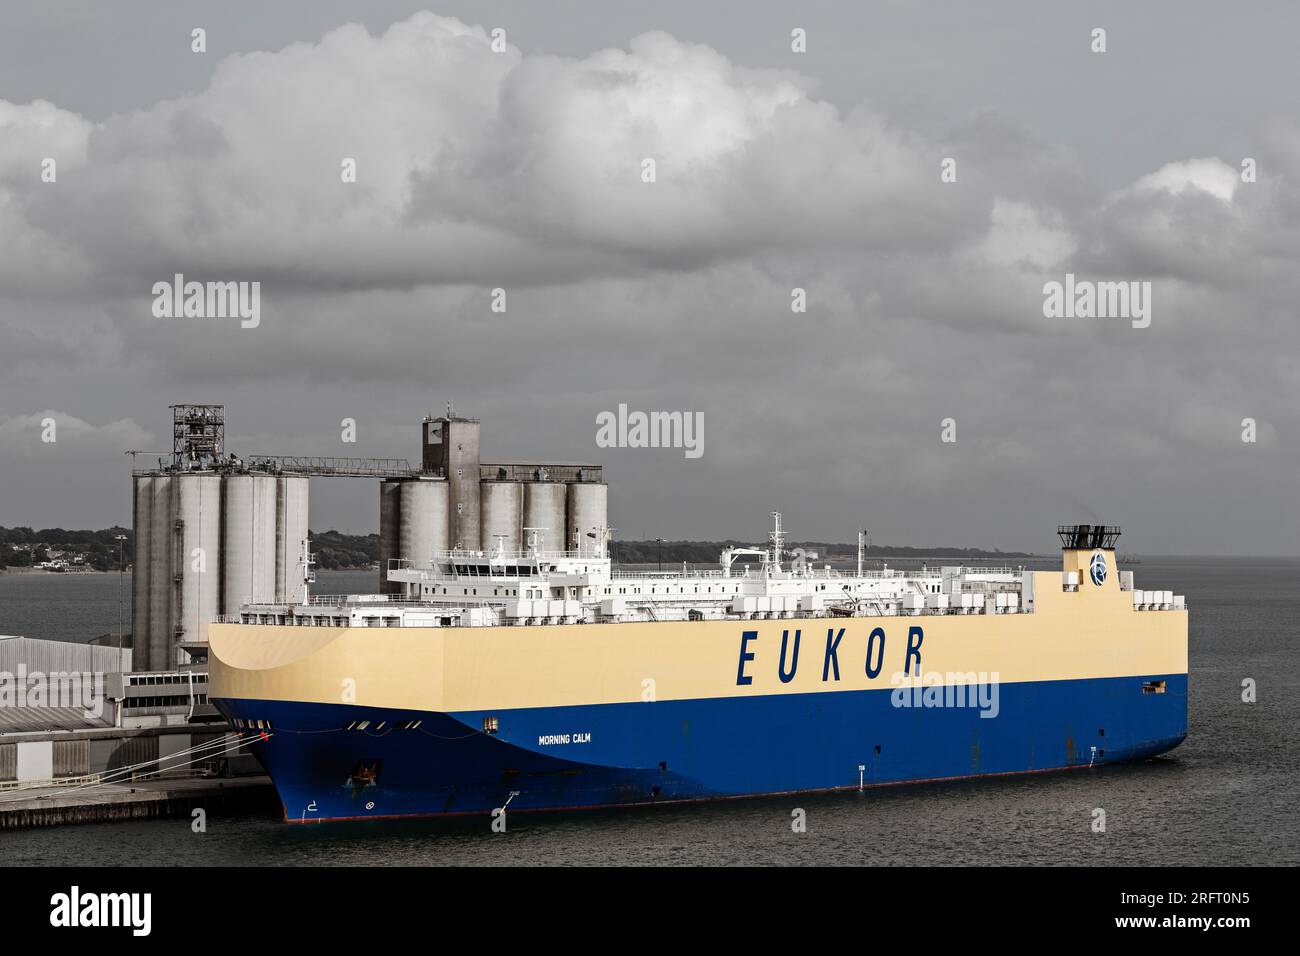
(92, 571)
(26, 570)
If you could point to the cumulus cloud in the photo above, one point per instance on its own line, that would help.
(1020, 235)
(38, 142)
(482, 167)
(1211, 176)
(474, 163)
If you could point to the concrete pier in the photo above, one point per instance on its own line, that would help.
(133, 800)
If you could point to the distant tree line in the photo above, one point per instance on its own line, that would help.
(34, 546)
(335, 550)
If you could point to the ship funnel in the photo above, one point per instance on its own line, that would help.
(1084, 537)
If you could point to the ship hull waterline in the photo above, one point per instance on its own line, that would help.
(692, 750)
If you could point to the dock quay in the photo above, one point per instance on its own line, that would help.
(86, 801)
(84, 738)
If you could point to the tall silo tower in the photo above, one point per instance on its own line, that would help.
(451, 449)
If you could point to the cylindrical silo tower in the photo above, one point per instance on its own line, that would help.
(588, 507)
(424, 524)
(198, 562)
(502, 513)
(290, 531)
(544, 510)
(250, 542)
(280, 533)
(264, 498)
(237, 553)
(142, 537)
(451, 449)
(157, 653)
(390, 530)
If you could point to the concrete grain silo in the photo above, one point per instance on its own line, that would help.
(544, 510)
(502, 513)
(142, 499)
(588, 506)
(265, 495)
(451, 450)
(390, 529)
(197, 562)
(249, 555)
(424, 525)
(291, 508)
(237, 538)
(161, 631)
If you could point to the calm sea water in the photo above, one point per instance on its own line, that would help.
(1226, 796)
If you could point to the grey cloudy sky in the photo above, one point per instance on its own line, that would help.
(776, 170)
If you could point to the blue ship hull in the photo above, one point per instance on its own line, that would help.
(628, 754)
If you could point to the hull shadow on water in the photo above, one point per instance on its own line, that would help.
(882, 805)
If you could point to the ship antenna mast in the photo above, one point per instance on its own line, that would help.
(307, 560)
(778, 541)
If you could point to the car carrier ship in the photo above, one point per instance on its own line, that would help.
(547, 680)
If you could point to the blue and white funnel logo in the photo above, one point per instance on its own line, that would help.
(1097, 568)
